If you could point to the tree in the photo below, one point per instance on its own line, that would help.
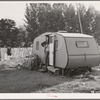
(88, 19)
(31, 20)
(22, 39)
(71, 20)
(44, 17)
(58, 22)
(97, 30)
(37, 19)
(8, 32)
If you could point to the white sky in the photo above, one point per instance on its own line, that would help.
(16, 10)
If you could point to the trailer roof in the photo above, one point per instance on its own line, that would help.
(65, 34)
(74, 35)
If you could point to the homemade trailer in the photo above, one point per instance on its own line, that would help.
(68, 50)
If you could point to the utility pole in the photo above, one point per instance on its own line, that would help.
(79, 19)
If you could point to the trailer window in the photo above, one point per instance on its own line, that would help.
(82, 44)
(37, 45)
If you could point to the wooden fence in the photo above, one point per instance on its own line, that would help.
(15, 53)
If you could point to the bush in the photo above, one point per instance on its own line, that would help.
(35, 62)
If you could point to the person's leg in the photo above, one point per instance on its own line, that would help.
(46, 59)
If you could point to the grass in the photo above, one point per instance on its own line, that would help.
(87, 84)
(25, 81)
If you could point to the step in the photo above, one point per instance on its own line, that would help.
(56, 71)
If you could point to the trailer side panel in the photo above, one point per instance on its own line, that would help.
(82, 52)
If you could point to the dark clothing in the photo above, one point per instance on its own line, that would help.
(46, 51)
(47, 58)
(9, 51)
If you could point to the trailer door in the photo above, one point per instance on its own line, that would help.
(51, 50)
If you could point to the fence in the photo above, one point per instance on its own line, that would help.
(16, 53)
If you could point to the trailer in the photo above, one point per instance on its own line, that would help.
(68, 50)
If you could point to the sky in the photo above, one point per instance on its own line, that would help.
(16, 10)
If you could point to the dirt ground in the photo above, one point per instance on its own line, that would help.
(14, 80)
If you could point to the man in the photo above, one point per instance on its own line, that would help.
(46, 51)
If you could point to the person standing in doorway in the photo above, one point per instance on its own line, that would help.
(45, 44)
(46, 51)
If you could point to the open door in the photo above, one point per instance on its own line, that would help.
(51, 50)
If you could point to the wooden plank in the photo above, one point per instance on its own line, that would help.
(56, 71)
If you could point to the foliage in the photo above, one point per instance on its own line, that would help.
(22, 37)
(45, 17)
(71, 19)
(31, 20)
(8, 33)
